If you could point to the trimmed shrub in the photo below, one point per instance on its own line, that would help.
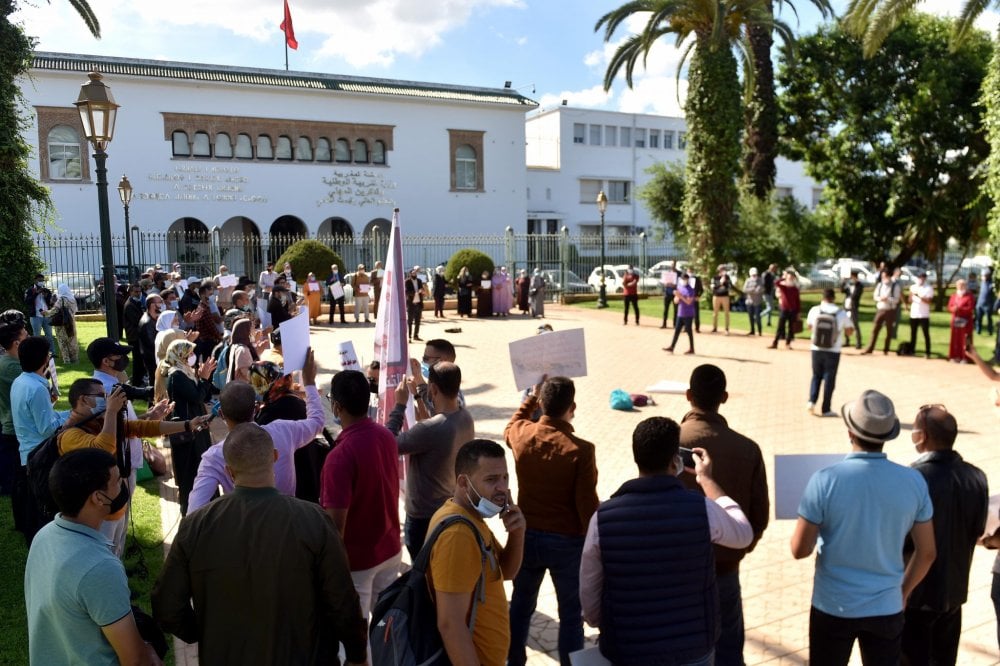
(310, 256)
(476, 261)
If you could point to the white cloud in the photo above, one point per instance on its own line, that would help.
(362, 32)
(593, 97)
(987, 21)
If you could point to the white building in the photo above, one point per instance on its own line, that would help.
(252, 151)
(573, 153)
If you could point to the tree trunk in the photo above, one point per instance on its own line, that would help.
(714, 118)
(761, 132)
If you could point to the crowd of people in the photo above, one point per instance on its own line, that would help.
(892, 576)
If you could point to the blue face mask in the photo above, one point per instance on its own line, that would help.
(425, 370)
(485, 507)
(100, 404)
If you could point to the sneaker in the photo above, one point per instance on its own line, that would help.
(669, 349)
(810, 405)
(829, 413)
(689, 352)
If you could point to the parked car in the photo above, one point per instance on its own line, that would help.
(81, 284)
(574, 283)
(867, 273)
(613, 280)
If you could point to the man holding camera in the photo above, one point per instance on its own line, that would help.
(37, 300)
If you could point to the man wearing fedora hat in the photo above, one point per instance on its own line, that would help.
(863, 508)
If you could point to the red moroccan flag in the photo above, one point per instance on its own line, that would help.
(286, 27)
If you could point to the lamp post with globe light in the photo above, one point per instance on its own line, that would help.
(98, 112)
(125, 194)
(602, 207)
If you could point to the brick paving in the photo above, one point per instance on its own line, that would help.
(768, 391)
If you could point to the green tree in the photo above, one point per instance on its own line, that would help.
(24, 203)
(897, 139)
(663, 196)
(310, 256)
(713, 107)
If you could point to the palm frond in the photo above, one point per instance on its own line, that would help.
(87, 14)
(966, 20)
(616, 17)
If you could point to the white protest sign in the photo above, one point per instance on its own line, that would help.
(295, 341)
(791, 474)
(313, 286)
(226, 281)
(348, 357)
(668, 386)
(561, 353)
(263, 314)
(336, 290)
(486, 284)
(364, 288)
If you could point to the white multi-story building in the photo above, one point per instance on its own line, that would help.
(574, 153)
(254, 151)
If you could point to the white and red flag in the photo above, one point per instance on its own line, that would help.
(391, 345)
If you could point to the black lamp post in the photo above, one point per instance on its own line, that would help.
(125, 194)
(602, 207)
(97, 113)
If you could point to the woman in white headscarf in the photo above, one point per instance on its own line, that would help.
(63, 316)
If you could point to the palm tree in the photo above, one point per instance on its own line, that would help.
(873, 20)
(713, 107)
(87, 14)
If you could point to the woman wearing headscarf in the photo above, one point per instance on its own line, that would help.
(962, 306)
(314, 296)
(189, 391)
(523, 286)
(465, 284)
(498, 300)
(63, 315)
(242, 352)
(163, 340)
(440, 285)
(484, 296)
(537, 293)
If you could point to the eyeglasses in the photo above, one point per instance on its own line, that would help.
(431, 359)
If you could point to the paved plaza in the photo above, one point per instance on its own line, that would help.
(768, 392)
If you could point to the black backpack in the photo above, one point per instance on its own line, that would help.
(40, 462)
(825, 331)
(404, 623)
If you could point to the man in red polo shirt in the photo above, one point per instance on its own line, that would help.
(359, 488)
(630, 285)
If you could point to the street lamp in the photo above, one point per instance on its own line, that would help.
(602, 207)
(125, 194)
(97, 113)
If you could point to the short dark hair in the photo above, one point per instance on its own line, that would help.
(557, 395)
(375, 365)
(940, 426)
(446, 349)
(276, 337)
(654, 444)
(33, 353)
(349, 388)
(708, 386)
(77, 475)
(9, 333)
(237, 401)
(206, 286)
(82, 387)
(447, 377)
(166, 293)
(467, 458)
(829, 295)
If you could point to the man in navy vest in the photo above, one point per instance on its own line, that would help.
(660, 599)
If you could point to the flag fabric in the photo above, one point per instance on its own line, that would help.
(286, 27)
(391, 345)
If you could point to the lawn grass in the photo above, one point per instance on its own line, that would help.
(651, 310)
(143, 558)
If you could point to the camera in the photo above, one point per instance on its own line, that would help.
(133, 393)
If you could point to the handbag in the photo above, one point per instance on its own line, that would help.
(797, 325)
(59, 318)
(154, 457)
(960, 322)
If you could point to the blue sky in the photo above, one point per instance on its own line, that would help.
(548, 44)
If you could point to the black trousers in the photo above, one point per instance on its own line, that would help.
(633, 300)
(931, 638)
(925, 326)
(10, 461)
(138, 365)
(668, 300)
(831, 639)
(786, 329)
(28, 517)
(414, 311)
(337, 303)
(683, 324)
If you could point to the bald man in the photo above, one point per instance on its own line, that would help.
(267, 573)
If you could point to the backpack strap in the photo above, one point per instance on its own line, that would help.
(422, 561)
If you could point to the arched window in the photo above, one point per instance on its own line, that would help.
(264, 150)
(202, 145)
(378, 153)
(303, 149)
(323, 150)
(223, 146)
(361, 151)
(342, 151)
(181, 146)
(465, 168)
(283, 151)
(244, 147)
(64, 154)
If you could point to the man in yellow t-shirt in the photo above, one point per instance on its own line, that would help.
(481, 491)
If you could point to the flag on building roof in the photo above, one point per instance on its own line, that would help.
(286, 27)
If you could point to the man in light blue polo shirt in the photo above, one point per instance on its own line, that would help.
(857, 514)
(30, 400)
(75, 589)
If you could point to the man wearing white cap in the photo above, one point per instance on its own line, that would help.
(863, 508)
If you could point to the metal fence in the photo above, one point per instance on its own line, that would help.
(569, 259)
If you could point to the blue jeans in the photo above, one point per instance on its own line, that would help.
(984, 311)
(754, 312)
(38, 324)
(729, 647)
(560, 555)
(768, 307)
(825, 364)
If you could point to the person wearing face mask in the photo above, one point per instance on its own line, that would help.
(643, 608)
(279, 305)
(146, 342)
(207, 321)
(336, 301)
(133, 312)
(359, 489)
(314, 297)
(189, 390)
(86, 399)
(960, 495)
(456, 561)
(38, 299)
(738, 466)
(962, 306)
(76, 591)
(223, 294)
(557, 490)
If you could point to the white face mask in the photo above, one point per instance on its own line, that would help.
(679, 465)
(192, 359)
(485, 507)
